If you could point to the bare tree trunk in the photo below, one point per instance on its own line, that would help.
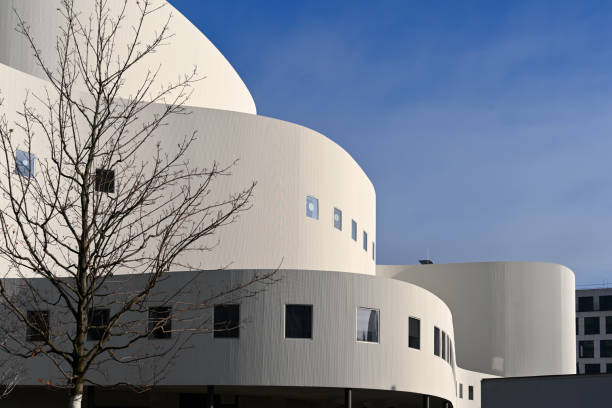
(76, 397)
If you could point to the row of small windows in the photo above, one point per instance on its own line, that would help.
(586, 348)
(443, 346)
(312, 211)
(104, 180)
(594, 368)
(586, 303)
(591, 325)
(470, 391)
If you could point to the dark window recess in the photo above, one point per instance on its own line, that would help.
(414, 333)
(585, 304)
(160, 322)
(97, 320)
(227, 321)
(591, 325)
(460, 390)
(592, 369)
(471, 392)
(437, 341)
(105, 180)
(354, 230)
(39, 329)
(450, 352)
(586, 349)
(609, 368)
(298, 321)
(605, 348)
(443, 345)
(577, 321)
(608, 324)
(605, 302)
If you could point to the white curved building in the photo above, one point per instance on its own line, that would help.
(336, 324)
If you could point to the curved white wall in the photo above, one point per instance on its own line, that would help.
(221, 88)
(511, 318)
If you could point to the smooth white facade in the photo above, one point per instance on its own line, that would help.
(503, 318)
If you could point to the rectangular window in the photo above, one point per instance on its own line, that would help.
(38, 330)
(577, 324)
(609, 368)
(373, 251)
(605, 302)
(367, 325)
(450, 351)
(605, 348)
(586, 349)
(97, 320)
(105, 180)
(436, 341)
(226, 321)
(471, 392)
(160, 322)
(585, 304)
(312, 207)
(443, 345)
(337, 219)
(354, 230)
(608, 324)
(591, 325)
(298, 321)
(24, 163)
(414, 333)
(365, 241)
(460, 390)
(592, 369)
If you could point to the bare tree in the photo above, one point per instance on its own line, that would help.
(97, 212)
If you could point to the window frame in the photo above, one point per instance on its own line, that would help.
(311, 321)
(377, 324)
(218, 333)
(418, 320)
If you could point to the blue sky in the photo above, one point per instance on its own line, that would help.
(486, 127)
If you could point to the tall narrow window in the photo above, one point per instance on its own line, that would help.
(414, 333)
(471, 392)
(227, 321)
(591, 325)
(97, 321)
(105, 180)
(609, 368)
(38, 330)
(24, 163)
(460, 390)
(437, 341)
(354, 230)
(373, 251)
(337, 219)
(160, 322)
(608, 324)
(443, 345)
(312, 207)
(586, 349)
(577, 324)
(365, 241)
(298, 321)
(367, 325)
(450, 351)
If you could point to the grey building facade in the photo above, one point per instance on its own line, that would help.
(594, 331)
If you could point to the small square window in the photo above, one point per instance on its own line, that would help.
(38, 330)
(605, 302)
(98, 321)
(414, 333)
(586, 349)
(160, 322)
(365, 241)
(591, 325)
(471, 392)
(298, 321)
(337, 219)
(105, 180)
(24, 163)
(312, 207)
(367, 325)
(585, 304)
(227, 321)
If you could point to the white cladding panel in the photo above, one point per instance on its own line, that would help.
(511, 318)
(221, 88)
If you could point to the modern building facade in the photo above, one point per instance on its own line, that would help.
(336, 326)
(594, 331)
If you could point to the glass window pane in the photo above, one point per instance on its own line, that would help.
(414, 333)
(585, 304)
(608, 324)
(367, 325)
(38, 330)
(592, 369)
(160, 322)
(586, 349)
(365, 241)
(227, 321)
(471, 392)
(437, 341)
(460, 390)
(298, 321)
(591, 325)
(354, 230)
(97, 320)
(373, 251)
(605, 302)
(443, 345)
(312, 207)
(609, 368)
(605, 348)
(105, 180)
(24, 163)
(337, 219)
